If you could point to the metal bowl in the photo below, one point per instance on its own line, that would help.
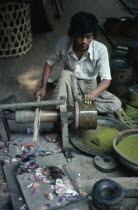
(128, 163)
(88, 141)
(120, 64)
(108, 194)
(119, 53)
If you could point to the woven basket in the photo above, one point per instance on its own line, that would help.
(15, 29)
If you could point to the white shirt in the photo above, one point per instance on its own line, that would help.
(94, 62)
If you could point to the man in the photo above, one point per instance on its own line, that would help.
(84, 61)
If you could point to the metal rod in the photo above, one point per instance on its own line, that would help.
(27, 116)
(31, 104)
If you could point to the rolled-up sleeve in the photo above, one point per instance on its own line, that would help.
(103, 64)
(55, 56)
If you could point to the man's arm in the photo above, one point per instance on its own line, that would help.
(46, 73)
(103, 70)
(54, 57)
(103, 85)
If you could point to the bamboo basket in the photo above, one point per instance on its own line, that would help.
(15, 29)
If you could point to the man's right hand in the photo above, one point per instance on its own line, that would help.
(41, 92)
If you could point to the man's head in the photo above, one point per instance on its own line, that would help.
(81, 43)
(83, 23)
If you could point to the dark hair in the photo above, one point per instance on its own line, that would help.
(82, 23)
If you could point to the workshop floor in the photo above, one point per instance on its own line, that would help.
(21, 76)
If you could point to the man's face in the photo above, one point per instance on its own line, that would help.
(82, 42)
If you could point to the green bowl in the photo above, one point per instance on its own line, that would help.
(133, 94)
(127, 152)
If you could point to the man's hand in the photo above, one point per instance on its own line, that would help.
(89, 97)
(41, 92)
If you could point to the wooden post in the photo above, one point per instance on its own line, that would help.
(36, 122)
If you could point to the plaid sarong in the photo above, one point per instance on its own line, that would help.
(73, 89)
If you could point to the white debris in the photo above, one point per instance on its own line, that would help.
(30, 130)
(30, 185)
(50, 196)
(24, 207)
(38, 174)
(90, 197)
(64, 188)
(7, 161)
(14, 160)
(23, 148)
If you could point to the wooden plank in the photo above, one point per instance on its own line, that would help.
(38, 199)
(1, 174)
(13, 186)
(4, 196)
(80, 205)
(3, 189)
(67, 148)
(4, 128)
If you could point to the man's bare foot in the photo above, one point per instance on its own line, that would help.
(52, 137)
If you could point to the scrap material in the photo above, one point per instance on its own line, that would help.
(45, 187)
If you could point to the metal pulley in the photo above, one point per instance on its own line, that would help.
(85, 116)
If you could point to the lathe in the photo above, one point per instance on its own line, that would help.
(84, 117)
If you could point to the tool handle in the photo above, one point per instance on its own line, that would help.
(39, 98)
(36, 121)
